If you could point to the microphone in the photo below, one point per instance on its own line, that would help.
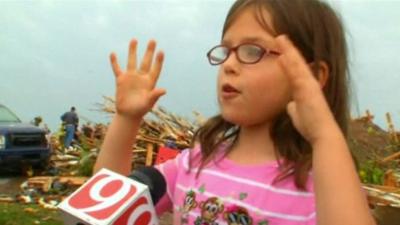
(153, 179)
(108, 198)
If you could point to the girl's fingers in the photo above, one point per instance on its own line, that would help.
(156, 69)
(146, 65)
(148, 57)
(114, 65)
(293, 62)
(132, 55)
(295, 67)
(155, 95)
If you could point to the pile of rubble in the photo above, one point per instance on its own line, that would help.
(387, 194)
(47, 191)
(378, 154)
(71, 167)
(161, 128)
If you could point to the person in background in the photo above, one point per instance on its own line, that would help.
(70, 120)
(38, 122)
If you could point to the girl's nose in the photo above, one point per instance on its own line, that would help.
(231, 64)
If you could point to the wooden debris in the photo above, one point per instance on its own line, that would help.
(31, 210)
(382, 195)
(65, 157)
(159, 128)
(391, 128)
(48, 205)
(47, 191)
(390, 179)
(26, 199)
(149, 154)
(391, 157)
(73, 181)
(368, 117)
(6, 199)
(42, 183)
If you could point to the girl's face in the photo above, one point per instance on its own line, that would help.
(251, 94)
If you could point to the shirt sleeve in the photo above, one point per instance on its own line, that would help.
(170, 171)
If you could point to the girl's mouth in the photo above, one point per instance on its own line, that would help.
(228, 91)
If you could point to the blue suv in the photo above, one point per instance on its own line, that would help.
(21, 143)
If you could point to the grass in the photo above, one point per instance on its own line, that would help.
(21, 214)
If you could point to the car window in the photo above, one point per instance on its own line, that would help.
(7, 116)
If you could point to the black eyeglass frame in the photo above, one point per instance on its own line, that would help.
(234, 49)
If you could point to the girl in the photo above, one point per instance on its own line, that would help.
(277, 152)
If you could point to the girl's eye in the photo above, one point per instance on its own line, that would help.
(251, 51)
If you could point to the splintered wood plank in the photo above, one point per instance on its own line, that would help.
(149, 155)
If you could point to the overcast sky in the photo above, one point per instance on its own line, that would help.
(54, 54)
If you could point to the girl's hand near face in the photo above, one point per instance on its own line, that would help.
(332, 164)
(308, 109)
(135, 87)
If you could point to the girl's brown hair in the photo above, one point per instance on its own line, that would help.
(317, 32)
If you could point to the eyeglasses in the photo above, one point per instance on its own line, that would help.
(245, 53)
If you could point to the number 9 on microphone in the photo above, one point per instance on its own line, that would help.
(108, 198)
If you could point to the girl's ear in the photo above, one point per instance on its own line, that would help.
(322, 72)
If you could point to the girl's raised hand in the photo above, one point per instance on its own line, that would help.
(308, 108)
(136, 91)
